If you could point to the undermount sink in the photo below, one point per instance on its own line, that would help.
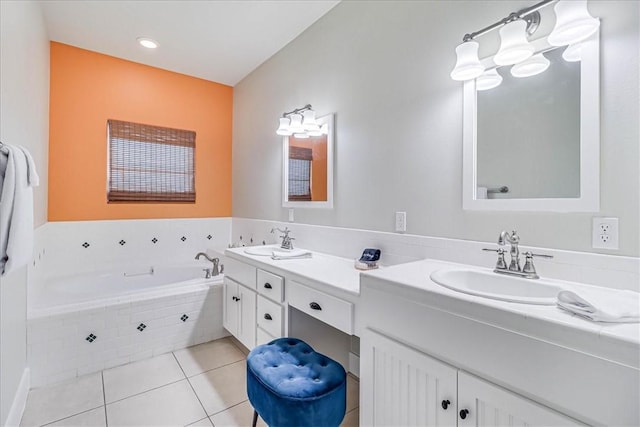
(496, 286)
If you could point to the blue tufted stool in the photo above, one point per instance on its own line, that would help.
(289, 384)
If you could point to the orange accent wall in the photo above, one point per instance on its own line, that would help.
(87, 88)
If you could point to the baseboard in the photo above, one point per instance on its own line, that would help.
(20, 400)
(354, 364)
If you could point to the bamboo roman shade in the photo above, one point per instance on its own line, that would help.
(300, 173)
(150, 163)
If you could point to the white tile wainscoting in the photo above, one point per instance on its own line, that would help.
(619, 272)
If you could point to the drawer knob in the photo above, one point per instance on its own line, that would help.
(268, 285)
(445, 404)
(236, 299)
(315, 306)
(464, 413)
(268, 316)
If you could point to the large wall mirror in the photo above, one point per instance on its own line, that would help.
(308, 168)
(532, 143)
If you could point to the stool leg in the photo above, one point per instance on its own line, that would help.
(255, 418)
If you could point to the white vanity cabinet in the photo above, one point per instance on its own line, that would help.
(270, 313)
(239, 307)
(239, 312)
(403, 386)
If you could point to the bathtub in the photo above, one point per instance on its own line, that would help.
(85, 323)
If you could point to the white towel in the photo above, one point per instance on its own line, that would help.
(602, 305)
(292, 254)
(32, 176)
(16, 209)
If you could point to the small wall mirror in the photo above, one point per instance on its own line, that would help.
(532, 143)
(308, 168)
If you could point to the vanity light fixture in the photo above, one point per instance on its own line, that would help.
(532, 66)
(573, 23)
(300, 123)
(488, 80)
(573, 53)
(147, 42)
(468, 64)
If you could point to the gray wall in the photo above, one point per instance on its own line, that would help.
(383, 68)
(24, 120)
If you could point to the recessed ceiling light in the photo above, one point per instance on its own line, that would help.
(147, 42)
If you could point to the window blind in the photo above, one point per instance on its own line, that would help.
(150, 163)
(300, 173)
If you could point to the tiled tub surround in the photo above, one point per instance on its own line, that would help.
(76, 339)
(619, 272)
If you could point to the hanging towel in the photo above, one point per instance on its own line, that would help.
(602, 305)
(16, 209)
(292, 254)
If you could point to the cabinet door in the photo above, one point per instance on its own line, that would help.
(230, 307)
(485, 404)
(247, 317)
(400, 386)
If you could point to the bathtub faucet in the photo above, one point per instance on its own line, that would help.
(217, 267)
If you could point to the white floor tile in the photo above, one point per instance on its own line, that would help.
(221, 388)
(52, 403)
(238, 416)
(93, 418)
(172, 405)
(204, 357)
(206, 422)
(138, 377)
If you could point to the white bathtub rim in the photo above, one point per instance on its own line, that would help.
(173, 289)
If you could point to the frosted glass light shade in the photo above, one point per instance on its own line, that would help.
(514, 46)
(573, 23)
(468, 64)
(283, 129)
(573, 53)
(296, 123)
(309, 120)
(532, 66)
(488, 80)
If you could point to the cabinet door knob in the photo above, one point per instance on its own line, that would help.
(464, 413)
(268, 285)
(268, 316)
(315, 306)
(445, 404)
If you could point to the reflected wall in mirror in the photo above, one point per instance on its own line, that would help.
(308, 168)
(532, 143)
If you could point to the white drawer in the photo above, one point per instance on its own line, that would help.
(270, 285)
(263, 337)
(240, 272)
(329, 309)
(269, 316)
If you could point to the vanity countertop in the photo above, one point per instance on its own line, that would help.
(619, 342)
(327, 270)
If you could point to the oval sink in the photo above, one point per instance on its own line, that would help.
(261, 250)
(497, 286)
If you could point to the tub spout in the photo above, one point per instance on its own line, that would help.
(216, 263)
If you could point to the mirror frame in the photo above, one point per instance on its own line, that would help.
(589, 200)
(328, 204)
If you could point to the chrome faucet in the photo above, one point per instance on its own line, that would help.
(217, 267)
(528, 271)
(287, 243)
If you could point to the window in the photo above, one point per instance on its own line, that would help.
(300, 173)
(150, 163)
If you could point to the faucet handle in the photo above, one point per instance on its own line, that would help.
(537, 255)
(501, 264)
(528, 263)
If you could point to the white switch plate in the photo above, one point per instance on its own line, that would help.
(290, 215)
(401, 222)
(605, 233)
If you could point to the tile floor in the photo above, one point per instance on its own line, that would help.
(198, 386)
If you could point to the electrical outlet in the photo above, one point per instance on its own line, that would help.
(401, 222)
(290, 215)
(605, 233)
